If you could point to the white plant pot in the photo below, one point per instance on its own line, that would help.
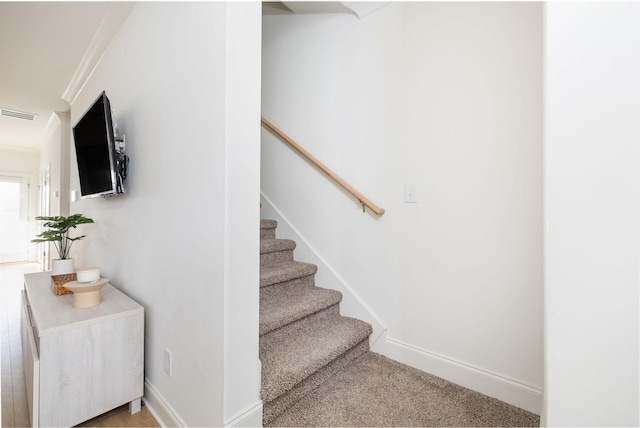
(62, 267)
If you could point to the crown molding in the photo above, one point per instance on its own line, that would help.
(52, 123)
(113, 19)
(20, 149)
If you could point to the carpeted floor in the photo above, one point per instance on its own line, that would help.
(317, 369)
(375, 391)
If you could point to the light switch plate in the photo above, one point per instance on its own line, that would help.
(410, 195)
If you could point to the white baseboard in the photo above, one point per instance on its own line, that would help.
(159, 408)
(166, 416)
(504, 389)
(251, 417)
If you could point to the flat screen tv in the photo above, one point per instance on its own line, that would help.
(96, 151)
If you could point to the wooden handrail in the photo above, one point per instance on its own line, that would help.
(359, 196)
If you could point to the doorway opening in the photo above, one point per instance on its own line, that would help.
(14, 219)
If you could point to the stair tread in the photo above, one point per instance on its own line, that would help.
(274, 245)
(282, 305)
(268, 224)
(285, 271)
(303, 338)
(303, 352)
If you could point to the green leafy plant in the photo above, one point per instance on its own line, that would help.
(57, 231)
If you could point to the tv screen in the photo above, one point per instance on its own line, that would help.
(95, 150)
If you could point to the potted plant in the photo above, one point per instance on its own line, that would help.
(56, 230)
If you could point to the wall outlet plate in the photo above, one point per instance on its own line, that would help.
(168, 363)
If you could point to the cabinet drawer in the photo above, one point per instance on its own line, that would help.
(31, 361)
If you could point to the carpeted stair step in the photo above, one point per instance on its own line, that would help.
(268, 229)
(289, 357)
(284, 402)
(274, 251)
(286, 303)
(285, 272)
(304, 340)
(301, 359)
(376, 391)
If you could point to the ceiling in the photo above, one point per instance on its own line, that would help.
(41, 45)
(44, 44)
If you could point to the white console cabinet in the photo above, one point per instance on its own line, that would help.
(80, 363)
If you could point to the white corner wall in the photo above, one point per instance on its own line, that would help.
(242, 368)
(592, 221)
(175, 242)
(447, 96)
(54, 157)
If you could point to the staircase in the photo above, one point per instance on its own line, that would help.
(303, 338)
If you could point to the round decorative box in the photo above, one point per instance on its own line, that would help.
(88, 274)
(86, 294)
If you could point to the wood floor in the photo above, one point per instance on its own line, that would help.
(14, 398)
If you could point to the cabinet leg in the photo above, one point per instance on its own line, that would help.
(134, 406)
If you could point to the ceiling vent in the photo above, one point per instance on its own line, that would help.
(17, 114)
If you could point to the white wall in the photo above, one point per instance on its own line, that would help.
(16, 161)
(592, 220)
(56, 146)
(449, 97)
(242, 369)
(167, 242)
(23, 163)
